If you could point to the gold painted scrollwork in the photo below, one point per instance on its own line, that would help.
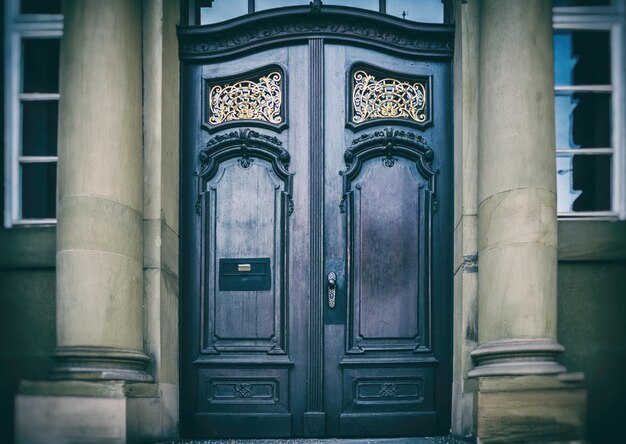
(386, 98)
(247, 100)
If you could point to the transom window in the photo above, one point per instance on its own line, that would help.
(426, 11)
(589, 79)
(32, 32)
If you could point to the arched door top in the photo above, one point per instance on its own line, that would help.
(300, 23)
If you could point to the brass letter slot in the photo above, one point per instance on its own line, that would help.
(245, 274)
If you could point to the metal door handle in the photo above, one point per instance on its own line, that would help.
(332, 286)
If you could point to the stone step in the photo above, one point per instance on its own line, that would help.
(423, 440)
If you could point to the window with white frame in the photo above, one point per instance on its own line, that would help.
(32, 33)
(589, 90)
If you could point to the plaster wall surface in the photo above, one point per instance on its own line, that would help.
(592, 303)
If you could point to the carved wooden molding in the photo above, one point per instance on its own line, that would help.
(245, 144)
(388, 143)
(366, 28)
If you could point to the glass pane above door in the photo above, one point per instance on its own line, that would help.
(425, 11)
(260, 5)
(372, 5)
(222, 10)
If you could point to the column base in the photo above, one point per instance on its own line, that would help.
(87, 411)
(545, 408)
(100, 363)
(517, 357)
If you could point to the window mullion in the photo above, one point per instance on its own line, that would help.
(31, 97)
(618, 43)
(584, 88)
(585, 151)
(37, 159)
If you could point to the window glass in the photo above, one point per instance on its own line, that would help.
(40, 66)
(425, 11)
(560, 3)
(39, 128)
(221, 10)
(372, 5)
(582, 57)
(40, 6)
(583, 182)
(38, 184)
(583, 120)
(260, 5)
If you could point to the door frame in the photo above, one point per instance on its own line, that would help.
(314, 26)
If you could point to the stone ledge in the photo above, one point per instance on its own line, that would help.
(422, 440)
(100, 389)
(530, 382)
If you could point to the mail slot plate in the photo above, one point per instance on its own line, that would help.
(245, 274)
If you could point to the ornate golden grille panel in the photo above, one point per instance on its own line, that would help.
(247, 100)
(386, 98)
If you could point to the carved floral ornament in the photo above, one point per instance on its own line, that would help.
(387, 98)
(247, 100)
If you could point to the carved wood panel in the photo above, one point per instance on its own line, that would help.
(245, 202)
(389, 195)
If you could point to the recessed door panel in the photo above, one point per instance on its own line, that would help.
(243, 214)
(386, 289)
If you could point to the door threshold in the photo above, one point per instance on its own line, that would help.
(421, 440)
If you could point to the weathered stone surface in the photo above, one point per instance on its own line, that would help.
(99, 300)
(161, 190)
(516, 182)
(100, 186)
(69, 419)
(517, 288)
(95, 412)
(530, 409)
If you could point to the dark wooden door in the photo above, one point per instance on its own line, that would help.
(315, 241)
(387, 237)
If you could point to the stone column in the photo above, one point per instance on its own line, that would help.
(516, 192)
(99, 235)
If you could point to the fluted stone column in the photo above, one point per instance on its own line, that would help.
(516, 192)
(99, 234)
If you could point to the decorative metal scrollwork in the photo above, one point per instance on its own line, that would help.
(387, 98)
(247, 100)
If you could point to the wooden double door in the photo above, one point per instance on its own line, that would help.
(316, 243)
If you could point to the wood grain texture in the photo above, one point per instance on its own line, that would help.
(316, 189)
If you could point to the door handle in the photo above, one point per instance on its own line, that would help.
(332, 287)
